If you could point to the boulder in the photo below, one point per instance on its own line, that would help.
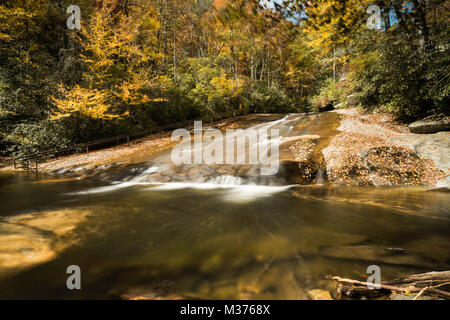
(352, 100)
(318, 294)
(431, 124)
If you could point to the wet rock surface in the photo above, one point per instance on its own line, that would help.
(369, 253)
(318, 294)
(33, 239)
(310, 166)
(216, 244)
(435, 147)
(306, 166)
(138, 151)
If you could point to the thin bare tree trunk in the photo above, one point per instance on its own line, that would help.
(174, 57)
(334, 63)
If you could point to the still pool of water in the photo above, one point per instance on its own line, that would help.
(157, 231)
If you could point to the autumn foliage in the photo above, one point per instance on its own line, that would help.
(137, 64)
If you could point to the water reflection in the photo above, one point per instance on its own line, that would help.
(31, 239)
(194, 243)
(211, 232)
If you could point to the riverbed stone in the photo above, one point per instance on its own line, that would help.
(432, 124)
(318, 294)
(352, 100)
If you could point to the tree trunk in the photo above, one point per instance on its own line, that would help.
(334, 63)
(174, 57)
(420, 8)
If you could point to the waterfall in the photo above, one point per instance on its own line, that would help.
(226, 180)
(243, 181)
(321, 179)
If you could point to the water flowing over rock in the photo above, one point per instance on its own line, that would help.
(243, 182)
(157, 229)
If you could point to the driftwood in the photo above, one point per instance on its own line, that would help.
(435, 283)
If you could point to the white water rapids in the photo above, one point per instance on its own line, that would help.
(246, 184)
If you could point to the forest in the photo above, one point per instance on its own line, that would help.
(137, 64)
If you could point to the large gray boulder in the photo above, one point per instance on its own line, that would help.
(352, 100)
(431, 124)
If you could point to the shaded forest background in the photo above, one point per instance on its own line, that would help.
(136, 64)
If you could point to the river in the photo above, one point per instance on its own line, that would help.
(211, 232)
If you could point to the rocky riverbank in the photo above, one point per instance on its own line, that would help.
(374, 150)
(360, 149)
(346, 147)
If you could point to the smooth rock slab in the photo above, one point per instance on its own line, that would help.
(430, 125)
(318, 294)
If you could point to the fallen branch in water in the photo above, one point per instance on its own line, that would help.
(427, 282)
(430, 288)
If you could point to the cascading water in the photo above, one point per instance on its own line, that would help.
(163, 174)
(320, 177)
(199, 231)
(226, 180)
